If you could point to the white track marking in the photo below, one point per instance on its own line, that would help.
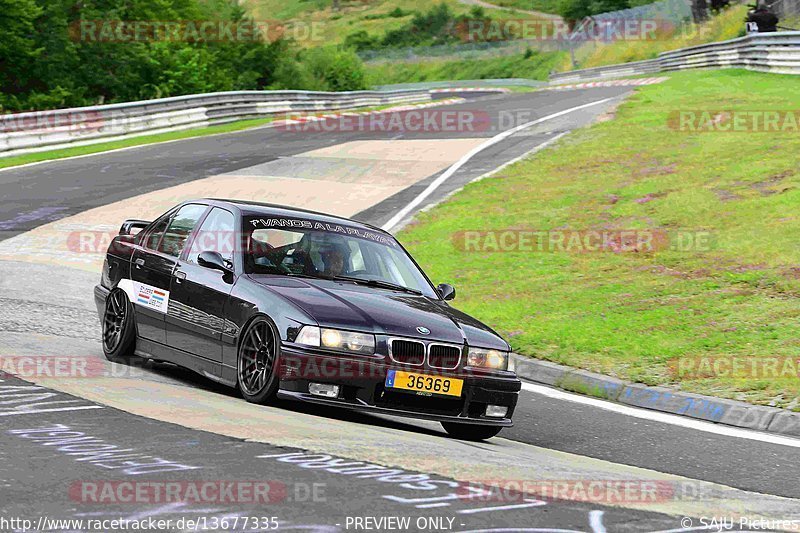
(664, 418)
(527, 502)
(126, 148)
(93, 154)
(596, 522)
(527, 154)
(56, 410)
(270, 125)
(491, 173)
(435, 184)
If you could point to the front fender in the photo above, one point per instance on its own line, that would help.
(247, 300)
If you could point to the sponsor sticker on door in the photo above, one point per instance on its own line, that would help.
(146, 295)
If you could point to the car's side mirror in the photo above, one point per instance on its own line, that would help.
(447, 292)
(133, 226)
(213, 261)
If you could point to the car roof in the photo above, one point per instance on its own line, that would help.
(250, 208)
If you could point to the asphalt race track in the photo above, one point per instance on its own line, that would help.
(70, 444)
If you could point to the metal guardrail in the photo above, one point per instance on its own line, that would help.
(765, 52)
(45, 130)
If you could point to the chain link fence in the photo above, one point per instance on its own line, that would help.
(665, 17)
(788, 12)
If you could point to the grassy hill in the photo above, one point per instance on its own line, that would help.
(536, 66)
(545, 6)
(373, 16)
(377, 17)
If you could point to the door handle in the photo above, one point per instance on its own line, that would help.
(139, 263)
(180, 276)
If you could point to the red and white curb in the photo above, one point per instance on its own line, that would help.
(471, 90)
(610, 83)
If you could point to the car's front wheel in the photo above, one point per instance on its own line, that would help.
(258, 361)
(119, 330)
(470, 431)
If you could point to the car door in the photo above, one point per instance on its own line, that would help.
(200, 293)
(149, 278)
(153, 265)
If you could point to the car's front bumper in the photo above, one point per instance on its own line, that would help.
(362, 387)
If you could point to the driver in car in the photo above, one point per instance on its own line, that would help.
(333, 262)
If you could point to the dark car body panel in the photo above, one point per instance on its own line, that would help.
(206, 311)
(353, 307)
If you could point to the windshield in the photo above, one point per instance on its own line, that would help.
(297, 247)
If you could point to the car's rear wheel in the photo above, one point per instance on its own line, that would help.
(119, 329)
(257, 373)
(470, 431)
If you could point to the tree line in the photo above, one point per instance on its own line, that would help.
(49, 60)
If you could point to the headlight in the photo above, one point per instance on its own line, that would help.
(494, 359)
(336, 339)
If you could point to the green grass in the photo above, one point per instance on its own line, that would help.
(545, 6)
(633, 315)
(61, 153)
(536, 67)
(728, 25)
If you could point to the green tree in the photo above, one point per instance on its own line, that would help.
(17, 47)
(322, 69)
(49, 57)
(339, 69)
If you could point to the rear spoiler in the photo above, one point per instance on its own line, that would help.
(132, 224)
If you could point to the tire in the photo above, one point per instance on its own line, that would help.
(257, 362)
(473, 432)
(119, 327)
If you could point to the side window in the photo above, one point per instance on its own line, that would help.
(154, 236)
(179, 229)
(215, 235)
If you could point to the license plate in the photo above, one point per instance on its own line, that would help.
(423, 384)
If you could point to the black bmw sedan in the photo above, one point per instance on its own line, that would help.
(288, 303)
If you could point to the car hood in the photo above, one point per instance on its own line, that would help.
(348, 306)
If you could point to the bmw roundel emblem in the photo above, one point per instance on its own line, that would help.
(423, 330)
